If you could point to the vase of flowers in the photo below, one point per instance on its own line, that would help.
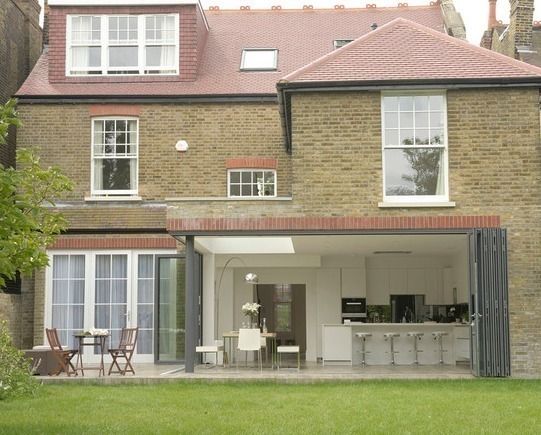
(251, 309)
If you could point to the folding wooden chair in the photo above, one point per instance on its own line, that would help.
(62, 356)
(128, 340)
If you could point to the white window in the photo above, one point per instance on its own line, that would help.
(414, 148)
(251, 183)
(259, 59)
(122, 44)
(114, 156)
(102, 289)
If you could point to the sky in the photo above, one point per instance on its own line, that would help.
(474, 12)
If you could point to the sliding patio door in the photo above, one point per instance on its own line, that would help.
(489, 303)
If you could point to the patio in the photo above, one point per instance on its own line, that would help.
(310, 372)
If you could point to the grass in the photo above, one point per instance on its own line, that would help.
(424, 407)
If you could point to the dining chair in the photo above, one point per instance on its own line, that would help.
(125, 349)
(62, 356)
(250, 341)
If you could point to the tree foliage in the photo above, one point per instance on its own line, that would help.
(28, 222)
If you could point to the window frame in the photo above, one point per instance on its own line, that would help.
(113, 193)
(243, 59)
(251, 170)
(105, 70)
(416, 199)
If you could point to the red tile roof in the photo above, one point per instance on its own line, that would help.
(403, 50)
(300, 35)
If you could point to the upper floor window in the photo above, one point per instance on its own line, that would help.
(123, 44)
(259, 59)
(415, 148)
(114, 156)
(251, 183)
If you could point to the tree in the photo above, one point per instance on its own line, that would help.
(28, 222)
(425, 164)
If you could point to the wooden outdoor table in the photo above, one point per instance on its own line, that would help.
(97, 340)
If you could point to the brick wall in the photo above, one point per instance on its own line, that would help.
(214, 133)
(334, 171)
(20, 47)
(188, 32)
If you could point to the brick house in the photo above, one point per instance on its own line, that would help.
(20, 48)
(521, 38)
(358, 161)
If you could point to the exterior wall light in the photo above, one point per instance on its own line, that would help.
(182, 146)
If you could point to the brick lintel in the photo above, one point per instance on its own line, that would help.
(100, 242)
(338, 223)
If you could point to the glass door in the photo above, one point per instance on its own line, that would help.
(170, 304)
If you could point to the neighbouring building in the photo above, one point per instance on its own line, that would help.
(521, 38)
(368, 165)
(20, 48)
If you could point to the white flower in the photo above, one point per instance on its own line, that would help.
(251, 308)
(95, 331)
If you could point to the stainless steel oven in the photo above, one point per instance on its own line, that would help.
(354, 309)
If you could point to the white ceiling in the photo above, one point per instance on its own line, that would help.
(426, 244)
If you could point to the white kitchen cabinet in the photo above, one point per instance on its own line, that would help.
(353, 283)
(377, 287)
(448, 286)
(337, 343)
(416, 281)
(462, 342)
(398, 281)
(434, 287)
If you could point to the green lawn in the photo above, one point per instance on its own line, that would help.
(431, 407)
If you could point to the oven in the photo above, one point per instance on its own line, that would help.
(353, 310)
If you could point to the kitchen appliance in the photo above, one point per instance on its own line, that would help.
(354, 309)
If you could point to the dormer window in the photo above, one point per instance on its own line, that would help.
(259, 59)
(122, 45)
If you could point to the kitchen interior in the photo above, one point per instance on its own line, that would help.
(374, 285)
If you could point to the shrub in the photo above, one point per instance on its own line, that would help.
(15, 369)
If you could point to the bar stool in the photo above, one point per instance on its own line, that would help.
(363, 336)
(390, 336)
(438, 336)
(417, 336)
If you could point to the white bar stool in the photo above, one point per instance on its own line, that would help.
(289, 349)
(438, 336)
(390, 336)
(417, 336)
(363, 336)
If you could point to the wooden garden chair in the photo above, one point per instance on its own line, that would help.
(62, 356)
(128, 340)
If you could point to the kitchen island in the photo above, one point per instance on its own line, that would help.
(340, 345)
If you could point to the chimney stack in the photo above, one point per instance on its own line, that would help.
(492, 21)
(46, 12)
(521, 24)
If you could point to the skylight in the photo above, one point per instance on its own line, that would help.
(259, 59)
(339, 43)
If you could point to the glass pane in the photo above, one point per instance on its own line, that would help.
(120, 266)
(421, 103)
(391, 137)
(390, 103)
(103, 291)
(246, 177)
(391, 120)
(269, 177)
(118, 316)
(116, 174)
(60, 292)
(145, 267)
(246, 190)
(86, 57)
(103, 266)
(421, 137)
(144, 342)
(118, 291)
(234, 190)
(76, 322)
(145, 291)
(282, 314)
(421, 120)
(436, 120)
(77, 266)
(406, 120)
(60, 266)
(437, 137)
(406, 103)
(413, 172)
(60, 316)
(234, 177)
(259, 59)
(103, 316)
(436, 102)
(144, 316)
(77, 292)
(160, 56)
(406, 137)
(123, 56)
(171, 293)
(269, 189)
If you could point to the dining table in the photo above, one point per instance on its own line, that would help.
(98, 340)
(230, 336)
